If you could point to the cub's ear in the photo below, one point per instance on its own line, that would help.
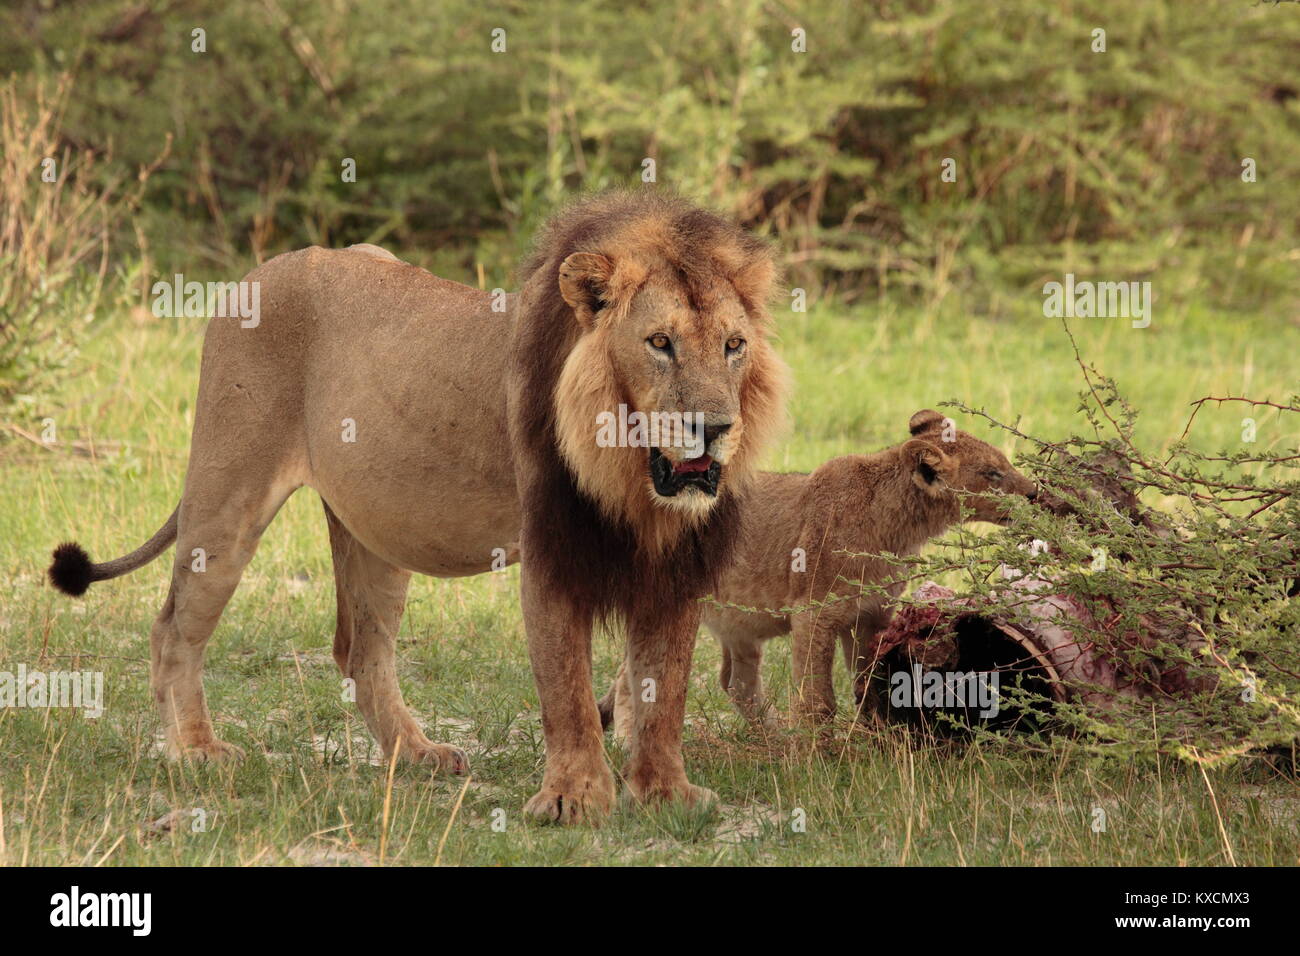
(924, 420)
(932, 470)
(584, 283)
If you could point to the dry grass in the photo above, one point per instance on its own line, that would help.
(59, 215)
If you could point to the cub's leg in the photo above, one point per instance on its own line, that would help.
(621, 708)
(577, 784)
(742, 662)
(659, 650)
(813, 658)
(218, 528)
(861, 654)
(371, 595)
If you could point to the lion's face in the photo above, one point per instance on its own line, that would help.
(683, 367)
(985, 478)
(952, 462)
(657, 399)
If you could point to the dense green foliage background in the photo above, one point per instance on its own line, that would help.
(1127, 161)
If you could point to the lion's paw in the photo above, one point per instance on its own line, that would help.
(445, 757)
(768, 721)
(588, 803)
(682, 791)
(207, 751)
(700, 797)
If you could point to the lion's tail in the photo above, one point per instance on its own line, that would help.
(72, 570)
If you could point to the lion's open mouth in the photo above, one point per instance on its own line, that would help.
(670, 477)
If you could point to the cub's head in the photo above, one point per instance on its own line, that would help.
(671, 389)
(951, 466)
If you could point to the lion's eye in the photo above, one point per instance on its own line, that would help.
(735, 344)
(993, 475)
(661, 342)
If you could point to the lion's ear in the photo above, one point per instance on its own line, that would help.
(931, 468)
(924, 420)
(584, 283)
(753, 281)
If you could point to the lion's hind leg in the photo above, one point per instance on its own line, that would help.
(371, 597)
(217, 532)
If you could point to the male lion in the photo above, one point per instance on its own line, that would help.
(806, 538)
(441, 434)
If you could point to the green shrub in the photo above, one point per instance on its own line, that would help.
(55, 223)
(1188, 615)
(1124, 161)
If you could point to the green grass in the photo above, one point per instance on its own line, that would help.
(313, 790)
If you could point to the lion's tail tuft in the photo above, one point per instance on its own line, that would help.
(72, 571)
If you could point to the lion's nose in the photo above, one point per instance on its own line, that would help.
(1033, 493)
(714, 432)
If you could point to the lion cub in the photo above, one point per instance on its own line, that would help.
(804, 538)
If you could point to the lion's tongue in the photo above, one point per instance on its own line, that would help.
(692, 466)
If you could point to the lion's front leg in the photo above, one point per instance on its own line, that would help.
(658, 668)
(577, 784)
